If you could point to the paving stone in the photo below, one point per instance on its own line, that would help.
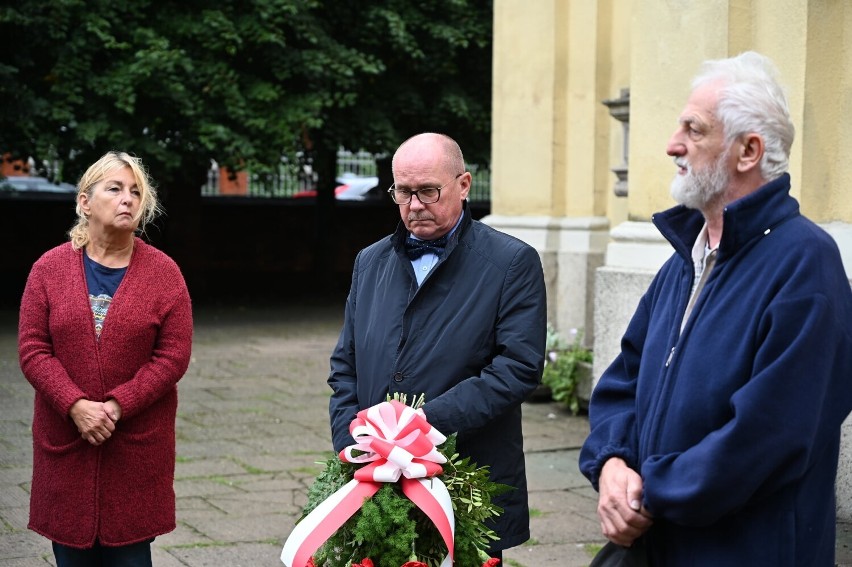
(203, 487)
(13, 455)
(13, 496)
(17, 518)
(238, 555)
(272, 462)
(207, 466)
(183, 534)
(305, 443)
(23, 545)
(249, 528)
(575, 555)
(193, 503)
(844, 544)
(162, 558)
(26, 562)
(13, 426)
(264, 486)
(191, 518)
(563, 517)
(217, 447)
(553, 427)
(280, 502)
(16, 475)
(554, 470)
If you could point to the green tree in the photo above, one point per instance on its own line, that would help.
(242, 82)
(178, 83)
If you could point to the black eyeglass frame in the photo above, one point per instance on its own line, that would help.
(412, 194)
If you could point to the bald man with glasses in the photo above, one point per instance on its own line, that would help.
(452, 309)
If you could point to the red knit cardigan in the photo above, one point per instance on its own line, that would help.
(120, 492)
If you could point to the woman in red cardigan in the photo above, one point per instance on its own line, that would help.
(105, 334)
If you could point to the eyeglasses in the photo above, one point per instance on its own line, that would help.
(426, 196)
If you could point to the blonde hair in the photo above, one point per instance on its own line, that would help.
(149, 206)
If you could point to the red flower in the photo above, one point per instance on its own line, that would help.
(414, 564)
(491, 563)
(366, 562)
(311, 563)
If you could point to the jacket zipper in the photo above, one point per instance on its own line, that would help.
(651, 433)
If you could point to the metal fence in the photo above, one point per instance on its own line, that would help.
(359, 163)
(295, 179)
(480, 187)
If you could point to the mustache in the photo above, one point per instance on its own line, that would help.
(420, 216)
(681, 162)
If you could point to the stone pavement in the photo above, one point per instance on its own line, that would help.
(252, 424)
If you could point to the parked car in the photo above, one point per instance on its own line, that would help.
(352, 188)
(356, 187)
(25, 183)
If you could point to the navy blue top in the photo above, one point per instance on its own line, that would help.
(102, 282)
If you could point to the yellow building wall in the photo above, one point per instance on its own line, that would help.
(553, 141)
(674, 39)
(826, 127)
(522, 138)
(809, 42)
(555, 61)
(616, 20)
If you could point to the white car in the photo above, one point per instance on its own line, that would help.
(38, 184)
(354, 187)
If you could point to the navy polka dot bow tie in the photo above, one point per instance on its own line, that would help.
(416, 248)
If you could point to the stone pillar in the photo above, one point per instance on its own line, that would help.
(842, 233)
(553, 140)
(635, 253)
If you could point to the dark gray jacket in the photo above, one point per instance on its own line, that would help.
(471, 338)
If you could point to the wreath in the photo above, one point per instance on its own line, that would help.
(389, 529)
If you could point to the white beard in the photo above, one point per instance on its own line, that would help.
(700, 187)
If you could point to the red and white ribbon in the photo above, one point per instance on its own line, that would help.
(397, 442)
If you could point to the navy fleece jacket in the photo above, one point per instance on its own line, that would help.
(734, 425)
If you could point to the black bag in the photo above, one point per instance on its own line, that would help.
(612, 555)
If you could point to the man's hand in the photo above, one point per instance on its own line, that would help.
(623, 519)
(92, 421)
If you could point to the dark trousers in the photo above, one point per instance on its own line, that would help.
(134, 555)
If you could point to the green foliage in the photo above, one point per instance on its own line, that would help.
(562, 369)
(179, 83)
(391, 530)
(384, 530)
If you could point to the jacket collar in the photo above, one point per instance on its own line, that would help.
(401, 233)
(744, 220)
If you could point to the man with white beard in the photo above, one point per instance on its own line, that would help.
(715, 433)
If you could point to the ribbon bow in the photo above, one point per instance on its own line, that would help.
(397, 442)
(415, 248)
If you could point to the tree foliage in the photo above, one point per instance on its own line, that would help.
(180, 83)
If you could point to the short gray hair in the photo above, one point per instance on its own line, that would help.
(752, 100)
